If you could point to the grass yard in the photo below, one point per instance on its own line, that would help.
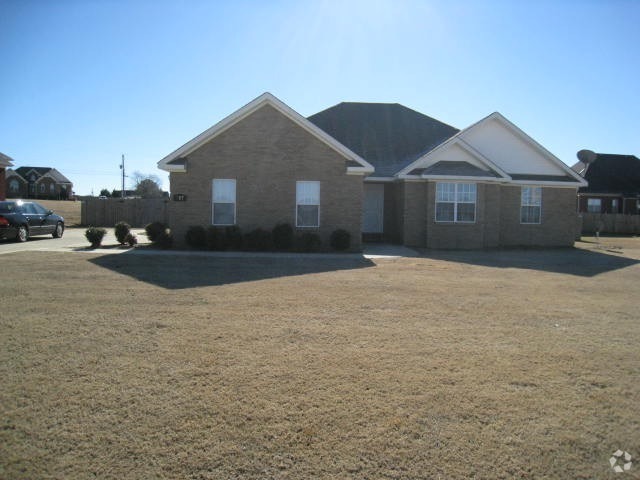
(504, 364)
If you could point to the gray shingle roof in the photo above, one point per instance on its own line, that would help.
(387, 135)
(611, 173)
(461, 169)
(55, 174)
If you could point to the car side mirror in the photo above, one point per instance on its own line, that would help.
(49, 212)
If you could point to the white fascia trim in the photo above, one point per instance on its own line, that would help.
(359, 171)
(546, 153)
(380, 179)
(593, 194)
(175, 168)
(456, 140)
(448, 178)
(475, 153)
(48, 175)
(264, 99)
(548, 183)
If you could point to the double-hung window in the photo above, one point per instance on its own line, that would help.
(224, 202)
(307, 204)
(456, 202)
(530, 204)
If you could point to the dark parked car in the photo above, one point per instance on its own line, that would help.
(21, 219)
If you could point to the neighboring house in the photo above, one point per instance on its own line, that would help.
(379, 169)
(614, 184)
(38, 182)
(5, 162)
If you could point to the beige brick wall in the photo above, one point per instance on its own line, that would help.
(267, 153)
(484, 233)
(497, 219)
(414, 215)
(559, 219)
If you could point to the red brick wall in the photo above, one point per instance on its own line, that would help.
(3, 185)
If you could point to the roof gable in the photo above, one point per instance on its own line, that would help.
(12, 173)
(388, 135)
(174, 162)
(507, 150)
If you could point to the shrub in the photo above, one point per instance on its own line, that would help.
(131, 239)
(282, 235)
(196, 236)
(340, 239)
(233, 237)
(95, 235)
(258, 240)
(154, 230)
(122, 229)
(308, 242)
(216, 238)
(159, 234)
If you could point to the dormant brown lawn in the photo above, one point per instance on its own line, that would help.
(504, 364)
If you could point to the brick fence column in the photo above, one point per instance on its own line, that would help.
(3, 184)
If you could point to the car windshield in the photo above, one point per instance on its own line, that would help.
(8, 207)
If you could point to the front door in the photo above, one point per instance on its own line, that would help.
(373, 208)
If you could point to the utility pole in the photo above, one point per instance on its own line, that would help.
(122, 168)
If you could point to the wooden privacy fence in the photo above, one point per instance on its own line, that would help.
(137, 212)
(610, 223)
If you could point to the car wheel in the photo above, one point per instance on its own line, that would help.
(23, 234)
(57, 233)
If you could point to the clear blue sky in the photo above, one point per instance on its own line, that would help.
(83, 81)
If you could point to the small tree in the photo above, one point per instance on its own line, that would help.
(105, 193)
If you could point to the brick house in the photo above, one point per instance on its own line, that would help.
(379, 170)
(5, 162)
(614, 184)
(38, 182)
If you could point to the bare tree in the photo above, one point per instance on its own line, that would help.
(147, 185)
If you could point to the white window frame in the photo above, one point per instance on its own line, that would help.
(213, 202)
(302, 202)
(594, 200)
(14, 186)
(534, 199)
(456, 202)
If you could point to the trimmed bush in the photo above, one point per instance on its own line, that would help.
(196, 237)
(282, 236)
(234, 237)
(95, 235)
(121, 230)
(216, 238)
(258, 240)
(340, 239)
(154, 230)
(308, 242)
(159, 234)
(131, 239)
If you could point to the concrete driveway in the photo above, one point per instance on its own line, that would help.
(72, 239)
